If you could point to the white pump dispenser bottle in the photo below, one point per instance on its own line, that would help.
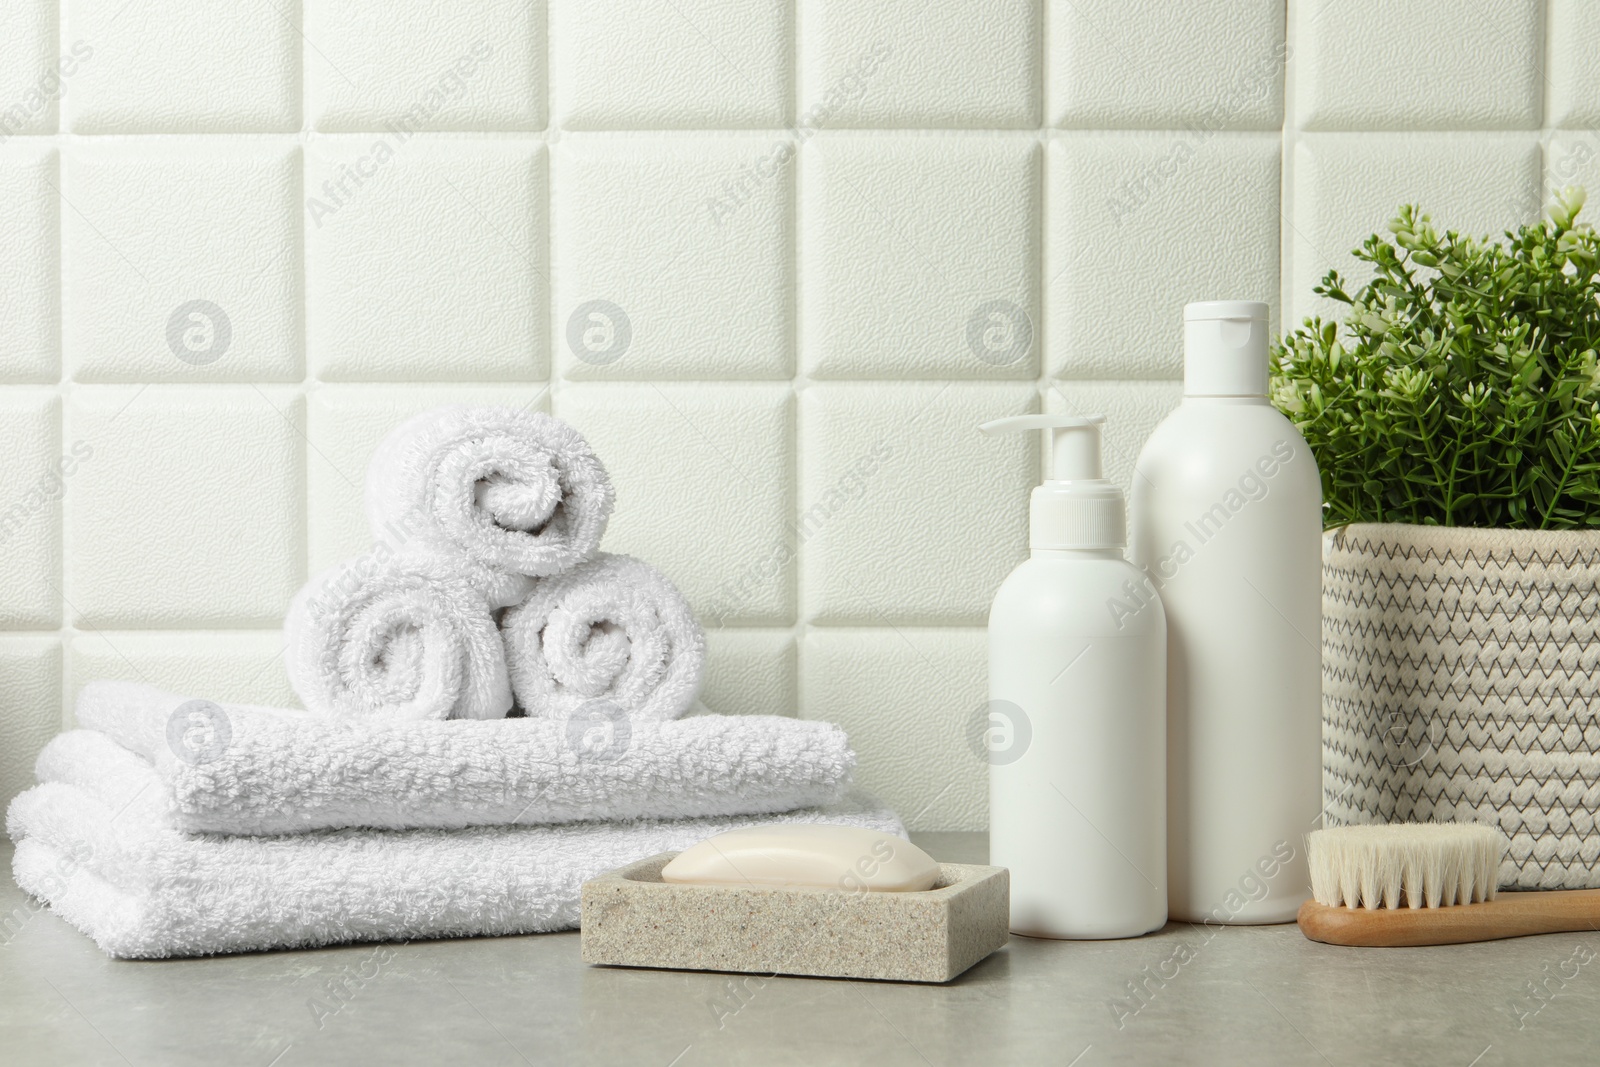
(1077, 689)
(1227, 524)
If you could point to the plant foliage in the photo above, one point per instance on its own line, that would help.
(1463, 388)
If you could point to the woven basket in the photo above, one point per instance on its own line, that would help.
(1459, 683)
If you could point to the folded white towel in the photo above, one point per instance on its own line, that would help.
(516, 490)
(238, 769)
(406, 637)
(143, 890)
(610, 638)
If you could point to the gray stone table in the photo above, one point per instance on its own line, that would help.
(1260, 995)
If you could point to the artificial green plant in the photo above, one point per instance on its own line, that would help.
(1462, 388)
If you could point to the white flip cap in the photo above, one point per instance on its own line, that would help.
(1225, 348)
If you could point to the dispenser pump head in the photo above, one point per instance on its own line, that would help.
(1076, 508)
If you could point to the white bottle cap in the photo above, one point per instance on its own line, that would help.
(1225, 348)
(1076, 507)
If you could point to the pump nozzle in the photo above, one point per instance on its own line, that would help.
(1074, 441)
(1076, 508)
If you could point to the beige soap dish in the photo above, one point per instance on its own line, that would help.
(631, 918)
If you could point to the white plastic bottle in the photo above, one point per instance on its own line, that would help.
(1077, 798)
(1227, 523)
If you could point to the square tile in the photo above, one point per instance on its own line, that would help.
(1572, 157)
(344, 424)
(425, 258)
(919, 63)
(39, 472)
(674, 257)
(181, 260)
(750, 672)
(1153, 64)
(1132, 409)
(32, 75)
(191, 513)
(1347, 187)
(731, 64)
(30, 272)
(1141, 224)
(1573, 77)
(182, 66)
(704, 475)
(911, 702)
(1421, 65)
(908, 514)
(242, 665)
(920, 257)
(409, 65)
(31, 666)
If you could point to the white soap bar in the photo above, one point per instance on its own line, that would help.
(826, 857)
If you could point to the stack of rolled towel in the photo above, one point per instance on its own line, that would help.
(404, 802)
(484, 515)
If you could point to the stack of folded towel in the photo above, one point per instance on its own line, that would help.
(172, 827)
(404, 803)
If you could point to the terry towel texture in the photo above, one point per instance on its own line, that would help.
(143, 890)
(519, 491)
(407, 637)
(610, 637)
(241, 769)
(403, 804)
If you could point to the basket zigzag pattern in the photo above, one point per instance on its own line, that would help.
(1461, 681)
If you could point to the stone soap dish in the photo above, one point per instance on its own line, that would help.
(631, 918)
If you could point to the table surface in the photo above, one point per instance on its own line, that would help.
(1241, 995)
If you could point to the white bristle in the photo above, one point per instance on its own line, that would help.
(1413, 865)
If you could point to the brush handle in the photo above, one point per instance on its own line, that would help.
(1508, 915)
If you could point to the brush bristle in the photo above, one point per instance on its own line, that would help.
(1416, 865)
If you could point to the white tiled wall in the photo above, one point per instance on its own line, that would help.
(840, 235)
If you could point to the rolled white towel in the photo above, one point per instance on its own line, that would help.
(518, 491)
(610, 638)
(410, 636)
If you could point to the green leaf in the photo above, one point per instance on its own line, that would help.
(1461, 385)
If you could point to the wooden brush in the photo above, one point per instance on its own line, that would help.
(1426, 884)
